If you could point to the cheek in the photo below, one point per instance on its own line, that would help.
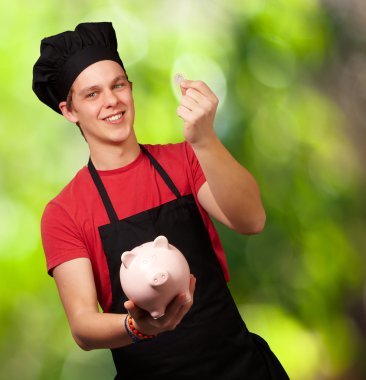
(90, 111)
(131, 103)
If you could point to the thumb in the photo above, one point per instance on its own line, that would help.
(134, 310)
(130, 307)
(183, 90)
(184, 85)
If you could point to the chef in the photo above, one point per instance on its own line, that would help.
(130, 193)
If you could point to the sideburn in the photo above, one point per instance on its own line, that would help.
(70, 107)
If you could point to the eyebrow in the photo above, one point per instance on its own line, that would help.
(97, 87)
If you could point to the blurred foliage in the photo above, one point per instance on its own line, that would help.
(299, 283)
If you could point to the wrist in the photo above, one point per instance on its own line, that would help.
(135, 335)
(206, 144)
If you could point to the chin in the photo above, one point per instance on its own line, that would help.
(122, 137)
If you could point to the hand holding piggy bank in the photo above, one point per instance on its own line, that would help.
(153, 273)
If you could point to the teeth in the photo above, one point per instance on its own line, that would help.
(114, 118)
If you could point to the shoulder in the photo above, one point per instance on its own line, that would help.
(165, 148)
(174, 151)
(76, 187)
(69, 197)
(181, 163)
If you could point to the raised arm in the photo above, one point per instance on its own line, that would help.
(230, 194)
(92, 329)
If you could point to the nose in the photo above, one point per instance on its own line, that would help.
(110, 99)
(159, 278)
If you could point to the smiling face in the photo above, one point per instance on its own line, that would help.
(102, 104)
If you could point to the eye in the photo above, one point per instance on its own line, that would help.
(91, 95)
(119, 85)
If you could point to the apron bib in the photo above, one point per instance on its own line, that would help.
(212, 340)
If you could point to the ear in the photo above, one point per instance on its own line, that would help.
(161, 242)
(127, 258)
(69, 115)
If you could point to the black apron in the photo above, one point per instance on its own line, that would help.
(212, 340)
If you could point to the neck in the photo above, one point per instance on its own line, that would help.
(115, 156)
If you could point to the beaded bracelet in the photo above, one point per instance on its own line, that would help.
(135, 335)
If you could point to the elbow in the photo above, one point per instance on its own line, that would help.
(257, 228)
(254, 226)
(82, 341)
(83, 344)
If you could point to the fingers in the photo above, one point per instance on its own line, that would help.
(141, 319)
(135, 311)
(188, 302)
(185, 114)
(129, 305)
(198, 104)
(174, 313)
(180, 305)
(189, 102)
(199, 86)
(182, 301)
(193, 106)
(194, 100)
(192, 284)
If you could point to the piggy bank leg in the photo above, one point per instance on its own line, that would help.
(157, 313)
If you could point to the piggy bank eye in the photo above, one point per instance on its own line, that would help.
(145, 261)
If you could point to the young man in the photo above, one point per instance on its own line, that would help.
(128, 195)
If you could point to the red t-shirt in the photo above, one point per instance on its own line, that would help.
(70, 221)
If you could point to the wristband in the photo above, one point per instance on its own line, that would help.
(135, 335)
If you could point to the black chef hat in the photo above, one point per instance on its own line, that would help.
(65, 55)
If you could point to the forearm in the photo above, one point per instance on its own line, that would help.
(233, 187)
(93, 330)
(90, 328)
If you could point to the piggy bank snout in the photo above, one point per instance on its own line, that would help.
(159, 278)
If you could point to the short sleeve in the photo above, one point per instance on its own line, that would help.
(197, 173)
(60, 237)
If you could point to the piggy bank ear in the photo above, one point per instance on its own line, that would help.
(161, 242)
(127, 258)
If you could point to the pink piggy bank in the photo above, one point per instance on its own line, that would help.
(153, 273)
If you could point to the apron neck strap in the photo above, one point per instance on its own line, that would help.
(103, 193)
(164, 175)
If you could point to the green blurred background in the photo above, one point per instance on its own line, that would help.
(290, 75)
